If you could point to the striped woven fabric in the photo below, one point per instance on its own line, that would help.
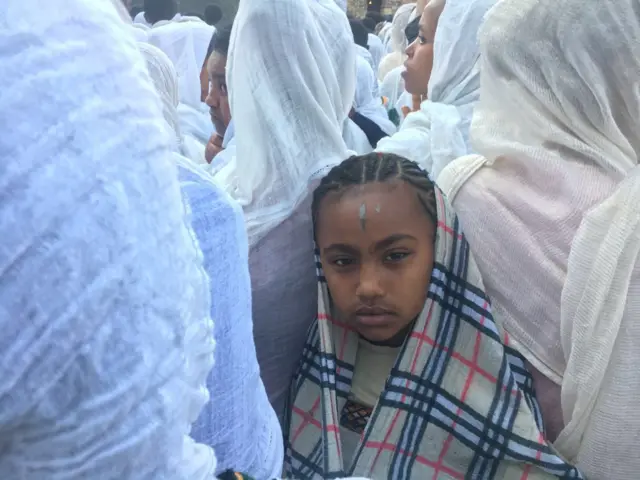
(458, 404)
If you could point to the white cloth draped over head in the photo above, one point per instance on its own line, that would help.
(140, 19)
(439, 132)
(366, 103)
(377, 50)
(165, 79)
(185, 43)
(106, 337)
(397, 40)
(288, 110)
(552, 210)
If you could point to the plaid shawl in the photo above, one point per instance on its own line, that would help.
(458, 404)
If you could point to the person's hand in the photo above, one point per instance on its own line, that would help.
(213, 148)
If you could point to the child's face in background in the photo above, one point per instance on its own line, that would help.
(377, 245)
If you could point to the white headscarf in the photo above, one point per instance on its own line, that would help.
(559, 191)
(106, 336)
(288, 110)
(439, 132)
(376, 48)
(164, 76)
(141, 19)
(366, 103)
(397, 40)
(186, 43)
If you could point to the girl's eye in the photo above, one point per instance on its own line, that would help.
(342, 262)
(395, 257)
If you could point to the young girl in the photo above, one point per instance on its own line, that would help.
(405, 374)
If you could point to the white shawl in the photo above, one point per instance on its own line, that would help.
(439, 132)
(288, 110)
(106, 337)
(366, 102)
(186, 43)
(552, 211)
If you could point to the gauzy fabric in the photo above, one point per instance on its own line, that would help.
(457, 404)
(165, 79)
(288, 112)
(106, 336)
(365, 102)
(238, 422)
(438, 133)
(140, 18)
(280, 150)
(377, 50)
(552, 210)
(398, 41)
(185, 42)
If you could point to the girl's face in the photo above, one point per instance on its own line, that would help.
(376, 244)
(420, 53)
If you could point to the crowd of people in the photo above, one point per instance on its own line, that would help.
(314, 246)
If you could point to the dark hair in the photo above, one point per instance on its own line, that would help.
(375, 16)
(412, 30)
(212, 14)
(369, 23)
(376, 167)
(135, 11)
(360, 35)
(157, 10)
(220, 42)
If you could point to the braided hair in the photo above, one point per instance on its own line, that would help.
(372, 168)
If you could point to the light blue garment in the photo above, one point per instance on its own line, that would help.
(238, 422)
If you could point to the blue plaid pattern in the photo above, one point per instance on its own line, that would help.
(458, 403)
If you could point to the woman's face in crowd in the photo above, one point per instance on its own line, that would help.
(218, 97)
(376, 244)
(420, 53)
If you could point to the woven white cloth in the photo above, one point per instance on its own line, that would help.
(439, 132)
(107, 339)
(366, 102)
(185, 42)
(288, 110)
(552, 211)
(377, 50)
(140, 19)
(397, 41)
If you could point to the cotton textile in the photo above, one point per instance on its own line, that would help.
(458, 402)
(439, 132)
(397, 41)
(185, 42)
(107, 339)
(309, 91)
(558, 190)
(238, 422)
(368, 104)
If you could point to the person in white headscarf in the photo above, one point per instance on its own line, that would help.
(369, 105)
(107, 339)
(288, 111)
(552, 212)
(397, 42)
(443, 66)
(238, 422)
(376, 48)
(185, 42)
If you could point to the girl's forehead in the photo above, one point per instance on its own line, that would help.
(381, 206)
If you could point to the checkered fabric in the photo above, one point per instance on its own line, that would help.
(458, 404)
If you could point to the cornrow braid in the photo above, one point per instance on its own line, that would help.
(372, 168)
